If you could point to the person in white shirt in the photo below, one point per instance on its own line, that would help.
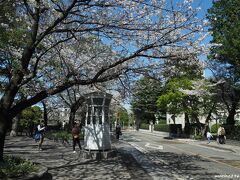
(209, 136)
(41, 129)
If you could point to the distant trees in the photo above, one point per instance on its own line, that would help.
(123, 117)
(28, 118)
(225, 55)
(144, 96)
(225, 25)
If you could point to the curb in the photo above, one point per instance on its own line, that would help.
(218, 147)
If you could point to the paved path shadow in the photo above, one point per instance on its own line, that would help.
(64, 164)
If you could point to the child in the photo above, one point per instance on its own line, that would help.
(209, 136)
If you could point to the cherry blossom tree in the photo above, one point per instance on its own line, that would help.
(46, 37)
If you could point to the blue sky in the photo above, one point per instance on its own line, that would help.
(204, 5)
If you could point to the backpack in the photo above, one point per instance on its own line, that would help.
(222, 131)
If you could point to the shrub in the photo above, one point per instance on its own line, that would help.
(144, 126)
(162, 121)
(198, 137)
(232, 132)
(161, 127)
(214, 128)
(15, 167)
(62, 135)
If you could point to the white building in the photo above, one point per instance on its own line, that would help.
(221, 118)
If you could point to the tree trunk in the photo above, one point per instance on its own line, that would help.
(45, 115)
(4, 122)
(206, 127)
(71, 118)
(15, 124)
(187, 125)
(195, 118)
(231, 114)
(74, 107)
(2, 140)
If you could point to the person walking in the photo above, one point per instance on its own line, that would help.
(221, 135)
(75, 135)
(118, 131)
(209, 136)
(40, 134)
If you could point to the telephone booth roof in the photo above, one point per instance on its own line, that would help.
(97, 94)
(98, 98)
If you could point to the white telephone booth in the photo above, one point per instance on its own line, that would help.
(97, 127)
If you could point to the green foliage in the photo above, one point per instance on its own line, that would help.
(198, 137)
(62, 135)
(232, 132)
(225, 25)
(15, 167)
(162, 121)
(123, 115)
(161, 127)
(13, 31)
(173, 100)
(33, 114)
(144, 126)
(214, 128)
(146, 92)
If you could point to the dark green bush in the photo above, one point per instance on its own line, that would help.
(198, 137)
(232, 132)
(144, 126)
(162, 121)
(62, 135)
(161, 127)
(214, 128)
(15, 167)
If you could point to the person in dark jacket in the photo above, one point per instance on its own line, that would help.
(75, 135)
(118, 131)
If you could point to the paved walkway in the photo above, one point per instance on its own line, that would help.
(63, 164)
(231, 145)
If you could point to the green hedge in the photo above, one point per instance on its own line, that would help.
(62, 135)
(144, 126)
(161, 127)
(198, 137)
(214, 128)
(162, 121)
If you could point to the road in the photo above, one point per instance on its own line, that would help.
(173, 159)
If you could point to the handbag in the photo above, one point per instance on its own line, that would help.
(37, 136)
